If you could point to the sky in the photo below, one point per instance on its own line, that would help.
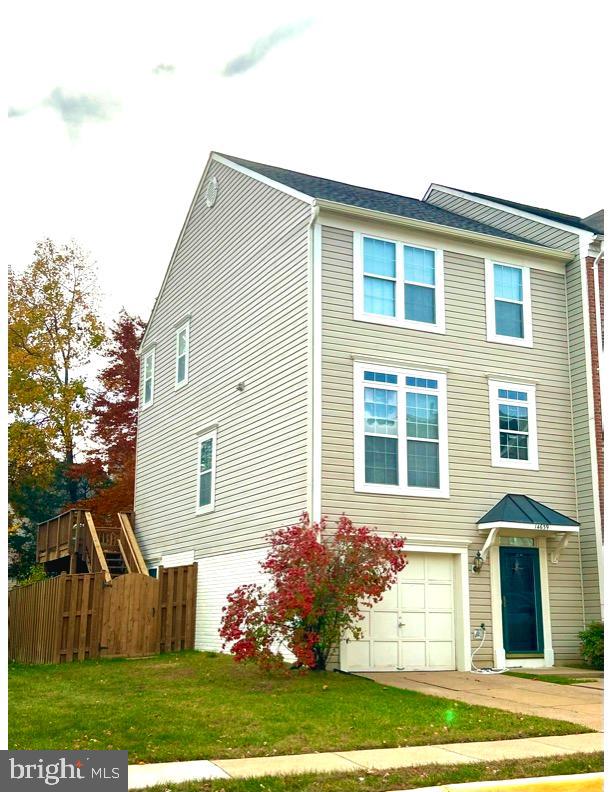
(114, 107)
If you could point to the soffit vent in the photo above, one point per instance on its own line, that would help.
(210, 192)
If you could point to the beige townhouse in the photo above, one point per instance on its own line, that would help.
(429, 367)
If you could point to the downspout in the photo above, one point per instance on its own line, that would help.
(585, 245)
(314, 352)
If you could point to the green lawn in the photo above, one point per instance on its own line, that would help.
(405, 778)
(200, 706)
(556, 679)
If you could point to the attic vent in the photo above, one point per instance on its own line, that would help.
(210, 191)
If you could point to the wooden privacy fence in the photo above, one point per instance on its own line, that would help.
(75, 617)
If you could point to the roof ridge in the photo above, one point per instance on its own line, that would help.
(335, 181)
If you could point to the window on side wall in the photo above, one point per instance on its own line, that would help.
(508, 297)
(401, 438)
(514, 433)
(398, 284)
(148, 376)
(182, 355)
(207, 454)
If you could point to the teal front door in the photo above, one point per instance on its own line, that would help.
(521, 600)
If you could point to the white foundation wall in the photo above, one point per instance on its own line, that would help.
(218, 576)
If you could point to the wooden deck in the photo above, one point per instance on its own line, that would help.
(109, 549)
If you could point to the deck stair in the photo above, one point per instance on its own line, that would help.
(74, 536)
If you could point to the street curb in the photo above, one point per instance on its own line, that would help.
(584, 782)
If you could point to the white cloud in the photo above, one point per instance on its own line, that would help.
(466, 94)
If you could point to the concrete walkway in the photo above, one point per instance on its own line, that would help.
(140, 776)
(582, 704)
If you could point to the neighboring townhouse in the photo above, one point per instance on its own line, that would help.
(429, 367)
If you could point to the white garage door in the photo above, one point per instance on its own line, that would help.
(413, 627)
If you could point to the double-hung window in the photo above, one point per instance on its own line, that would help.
(398, 284)
(401, 442)
(182, 355)
(148, 375)
(508, 293)
(207, 456)
(514, 434)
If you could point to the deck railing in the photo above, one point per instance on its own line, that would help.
(75, 534)
(132, 557)
(60, 536)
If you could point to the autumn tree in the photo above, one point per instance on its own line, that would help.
(318, 583)
(115, 412)
(53, 330)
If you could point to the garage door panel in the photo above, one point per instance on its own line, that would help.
(441, 654)
(439, 625)
(385, 655)
(414, 654)
(358, 655)
(413, 625)
(384, 624)
(364, 623)
(389, 600)
(439, 567)
(440, 595)
(415, 568)
(422, 602)
(412, 595)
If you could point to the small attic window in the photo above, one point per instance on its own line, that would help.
(210, 192)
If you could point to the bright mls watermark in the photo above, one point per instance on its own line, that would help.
(37, 770)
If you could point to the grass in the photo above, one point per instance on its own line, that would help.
(203, 706)
(409, 777)
(553, 678)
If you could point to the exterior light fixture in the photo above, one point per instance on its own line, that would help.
(478, 562)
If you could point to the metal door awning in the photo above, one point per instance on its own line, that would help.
(524, 515)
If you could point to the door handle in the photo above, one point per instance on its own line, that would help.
(504, 600)
(401, 624)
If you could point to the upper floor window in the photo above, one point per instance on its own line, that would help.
(148, 374)
(508, 293)
(398, 284)
(182, 355)
(207, 455)
(514, 437)
(401, 436)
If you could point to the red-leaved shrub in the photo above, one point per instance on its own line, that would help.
(318, 580)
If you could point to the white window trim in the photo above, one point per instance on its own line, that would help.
(359, 312)
(532, 444)
(527, 340)
(179, 330)
(361, 485)
(210, 507)
(149, 354)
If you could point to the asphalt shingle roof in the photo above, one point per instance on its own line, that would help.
(593, 222)
(376, 200)
(523, 509)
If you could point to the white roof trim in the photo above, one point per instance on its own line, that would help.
(264, 179)
(504, 207)
(228, 163)
(538, 527)
(174, 253)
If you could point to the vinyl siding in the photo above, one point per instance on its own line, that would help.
(241, 274)
(467, 358)
(584, 451)
(541, 233)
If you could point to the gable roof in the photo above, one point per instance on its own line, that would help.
(593, 223)
(523, 509)
(376, 200)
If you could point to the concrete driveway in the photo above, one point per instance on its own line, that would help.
(574, 703)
